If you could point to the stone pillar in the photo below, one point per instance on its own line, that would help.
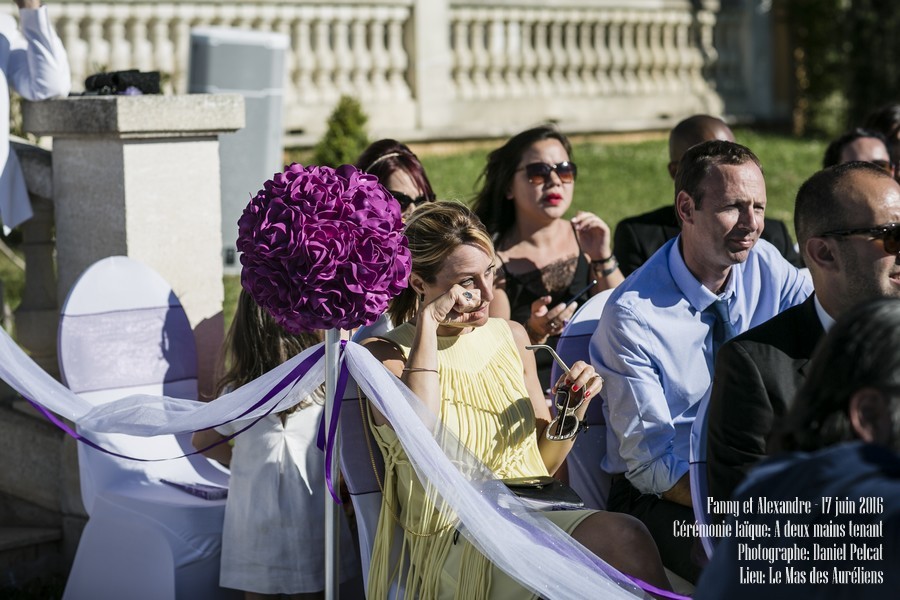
(430, 63)
(139, 176)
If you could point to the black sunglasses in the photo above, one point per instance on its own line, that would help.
(889, 235)
(405, 200)
(539, 173)
(884, 165)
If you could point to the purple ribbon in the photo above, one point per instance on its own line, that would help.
(326, 442)
(289, 379)
(647, 587)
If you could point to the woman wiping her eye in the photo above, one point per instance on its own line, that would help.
(475, 373)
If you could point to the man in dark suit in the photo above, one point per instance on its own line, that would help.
(843, 217)
(637, 238)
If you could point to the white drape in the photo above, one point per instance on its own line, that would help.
(524, 544)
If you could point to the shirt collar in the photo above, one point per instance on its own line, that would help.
(824, 317)
(693, 290)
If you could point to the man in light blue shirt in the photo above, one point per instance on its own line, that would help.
(655, 341)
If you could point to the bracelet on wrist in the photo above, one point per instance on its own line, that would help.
(606, 272)
(603, 261)
(418, 370)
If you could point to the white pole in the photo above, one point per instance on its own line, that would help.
(332, 523)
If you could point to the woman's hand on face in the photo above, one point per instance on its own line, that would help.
(581, 376)
(454, 307)
(593, 234)
(545, 321)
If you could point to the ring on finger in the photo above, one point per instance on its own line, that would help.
(554, 325)
(467, 295)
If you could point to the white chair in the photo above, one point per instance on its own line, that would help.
(586, 476)
(362, 466)
(122, 331)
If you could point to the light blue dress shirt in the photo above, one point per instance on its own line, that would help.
(653, 346)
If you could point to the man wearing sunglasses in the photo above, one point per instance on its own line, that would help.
(848, 221)
(655, 343)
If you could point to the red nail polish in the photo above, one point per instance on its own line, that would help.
(574, 388)
(587, 393)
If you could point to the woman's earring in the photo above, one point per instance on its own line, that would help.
(421, 297)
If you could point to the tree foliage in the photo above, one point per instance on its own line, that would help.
(345, 137)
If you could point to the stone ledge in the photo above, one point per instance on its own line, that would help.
(146, 116)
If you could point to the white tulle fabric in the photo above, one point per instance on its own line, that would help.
(530, 548)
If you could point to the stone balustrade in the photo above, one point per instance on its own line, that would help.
(431, 68)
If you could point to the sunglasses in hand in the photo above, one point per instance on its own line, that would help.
(539, 173)
(567, 424)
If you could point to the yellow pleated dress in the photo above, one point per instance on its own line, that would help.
(485, 404)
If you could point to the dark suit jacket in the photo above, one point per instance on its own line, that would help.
(756, 377)
(637, 238)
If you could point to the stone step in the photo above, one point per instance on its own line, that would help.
(29, 553)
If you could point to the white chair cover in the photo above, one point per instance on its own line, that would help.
(122, 331)
(586, 476)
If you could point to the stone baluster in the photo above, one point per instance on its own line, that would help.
(362, 61)
(142, 57)
(304, 65)
(589, 59)
(399, 59)
(601, 46)
(705, 54)
(463, 61)
(630, 68)
(323, 57)
(69, 29)
(644, 58)
(574, 69)
(529, 55)
(496, 47)
(340, 46)
(685, 51)
(379, 57)
(513, 54)
(182, 21)
(119, 48)
(616, 53)
(542, 72)
(97, 46)
(481, 58)
(163, 47)
(37, 316)
(667, 53)
(557, 55)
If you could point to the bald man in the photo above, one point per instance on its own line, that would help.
(637, 238)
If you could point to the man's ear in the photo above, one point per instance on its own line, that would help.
(870, 416)
(673, 168)
(684, 206)
(819, 251)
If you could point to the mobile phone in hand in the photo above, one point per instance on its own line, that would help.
(581, 293)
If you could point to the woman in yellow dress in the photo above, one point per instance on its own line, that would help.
(476, 375)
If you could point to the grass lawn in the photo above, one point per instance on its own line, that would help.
(615, 180)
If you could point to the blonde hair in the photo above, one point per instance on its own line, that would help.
(434, 231)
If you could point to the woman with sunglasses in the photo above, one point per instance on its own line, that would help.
(399, 170)
(547, 260)
(475, 373)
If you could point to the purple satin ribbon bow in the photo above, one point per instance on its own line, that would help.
(289, 379)
(326, 442)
